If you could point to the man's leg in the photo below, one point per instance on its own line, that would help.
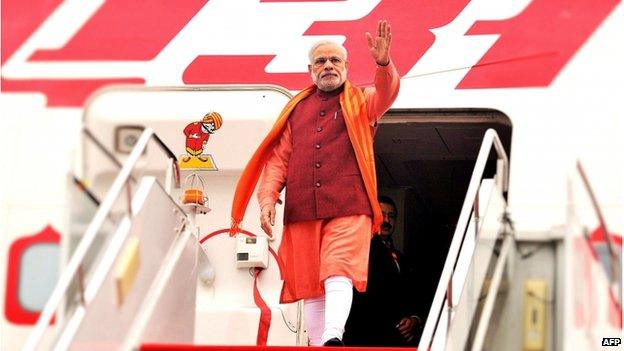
(338, 298)
(344, 264)
(314, 313)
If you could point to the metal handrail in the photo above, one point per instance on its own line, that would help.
(446, 278)
(101, 147)
(75, 263)
(79, 182)
(614, 260)
(488, 306)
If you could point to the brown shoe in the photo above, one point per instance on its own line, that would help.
(203, 159)
(186, 158)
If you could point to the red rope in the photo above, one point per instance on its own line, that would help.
(265, 311)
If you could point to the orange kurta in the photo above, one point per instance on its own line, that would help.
(315, 250)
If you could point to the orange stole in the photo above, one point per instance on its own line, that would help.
(353, 106)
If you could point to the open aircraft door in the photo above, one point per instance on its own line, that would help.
(209, 131)
(117, 116)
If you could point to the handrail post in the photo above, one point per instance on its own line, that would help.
(449, 302)
(129, 198)
(613, 259)
(475, 210)
(74, 265)
(444, 285)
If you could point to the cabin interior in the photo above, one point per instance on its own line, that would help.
(424, 160)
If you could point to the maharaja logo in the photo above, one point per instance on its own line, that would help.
(197, 135)
(68, 49)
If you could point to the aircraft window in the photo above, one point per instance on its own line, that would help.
(39, 271)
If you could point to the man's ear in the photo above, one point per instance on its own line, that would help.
(309, 68)
(347, 64)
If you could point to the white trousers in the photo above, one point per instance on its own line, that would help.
(326, 316)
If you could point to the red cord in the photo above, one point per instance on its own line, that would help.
(265, 312)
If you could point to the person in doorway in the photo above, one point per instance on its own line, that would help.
(385, 315)
(321, 150)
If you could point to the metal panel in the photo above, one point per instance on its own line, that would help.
(473, 264)
(105, 321)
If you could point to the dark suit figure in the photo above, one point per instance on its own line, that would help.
(384, 315)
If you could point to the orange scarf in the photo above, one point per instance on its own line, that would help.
(353, 105)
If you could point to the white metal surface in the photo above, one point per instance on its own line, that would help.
(252, 252)
(154, 224)
(475, 259)
(590, 303)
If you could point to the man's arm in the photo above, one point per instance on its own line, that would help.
(273, 180)
(380, 98)
(387, 80)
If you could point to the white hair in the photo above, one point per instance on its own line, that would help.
(326, 42)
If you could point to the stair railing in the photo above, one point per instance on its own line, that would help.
(74, 266)
(445, 285)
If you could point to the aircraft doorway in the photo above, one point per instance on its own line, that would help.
(424, 160)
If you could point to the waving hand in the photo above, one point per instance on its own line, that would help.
(379, 46)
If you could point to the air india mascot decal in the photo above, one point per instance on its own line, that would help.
(197, 134)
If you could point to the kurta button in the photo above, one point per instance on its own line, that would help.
(317, 165)
(317, 146)
(318, 184)
(322, 113)
(319, 129)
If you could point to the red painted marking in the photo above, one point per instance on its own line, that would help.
(240, 70)
(64, 92)
(584, 297)
(13, 311)
(181, 347)
(126, 30)
(20, 19)
(598, 236)
(537, 44)
(411, 38)
(532, 50)
(614, 312)
(411, 21)
(301, 0)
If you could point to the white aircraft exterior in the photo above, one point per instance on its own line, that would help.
(552, 67)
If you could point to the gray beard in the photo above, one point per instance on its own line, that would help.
(327, 89)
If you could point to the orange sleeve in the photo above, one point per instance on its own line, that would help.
(380, 98)
(274, 175)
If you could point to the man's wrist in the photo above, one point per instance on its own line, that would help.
(265, 204)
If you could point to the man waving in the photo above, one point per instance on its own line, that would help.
(321, 150)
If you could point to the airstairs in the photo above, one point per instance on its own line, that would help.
(103, 301)
(132, 279)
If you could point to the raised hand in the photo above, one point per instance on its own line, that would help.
(379, 46)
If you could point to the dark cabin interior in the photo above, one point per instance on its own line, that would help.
(424, 160)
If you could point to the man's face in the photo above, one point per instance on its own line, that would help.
(208, 127)
(328, 68)
(389, 215)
